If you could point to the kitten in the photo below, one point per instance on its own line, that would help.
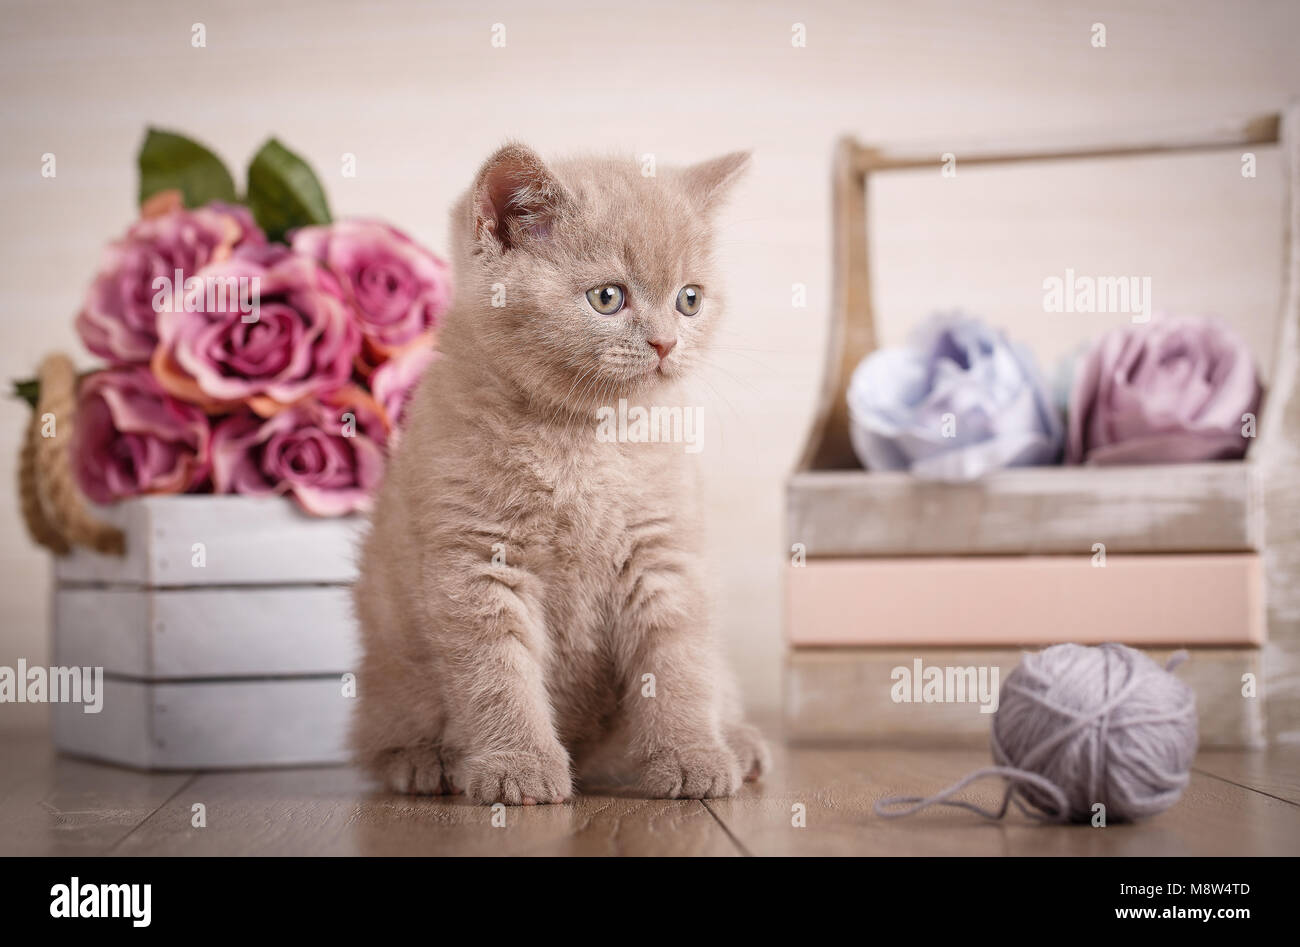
(531, 597)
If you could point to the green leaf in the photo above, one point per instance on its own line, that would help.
(173, 162)
(283, 192)
(28, 390)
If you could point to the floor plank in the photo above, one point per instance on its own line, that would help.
(336, 811)
(1275, 772)
(838, 788)
(54, 805)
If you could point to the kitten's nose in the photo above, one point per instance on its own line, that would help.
(663, 346)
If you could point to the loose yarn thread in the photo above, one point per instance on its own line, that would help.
(1077, 726)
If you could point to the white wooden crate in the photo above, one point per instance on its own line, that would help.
(224, 633)
(1190, 515)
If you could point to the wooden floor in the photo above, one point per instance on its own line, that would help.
(1237, 804)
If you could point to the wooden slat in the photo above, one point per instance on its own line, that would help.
(1211, 507)
(846, 695)
(1010, 601)
(121, 732)
(1282, 657)
(206, 633)
(246, 540)
(1244, 133)
(211, 725)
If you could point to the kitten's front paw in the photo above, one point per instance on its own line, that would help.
(697, 772)
(518, 777)
(750, 748)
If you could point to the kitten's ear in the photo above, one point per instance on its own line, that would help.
(708, 182)
(516, 197)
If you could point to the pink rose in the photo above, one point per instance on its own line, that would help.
(398, 289)
(1171, 391)
(131, 438)
(328, 455)
(118, 320)
(281, 333)
(394, 382)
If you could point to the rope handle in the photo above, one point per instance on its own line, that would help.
(53, 509)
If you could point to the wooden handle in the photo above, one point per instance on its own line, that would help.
(853, 329)
(1243, 133)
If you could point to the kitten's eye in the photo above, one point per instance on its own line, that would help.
(607, 299)
(688, 300)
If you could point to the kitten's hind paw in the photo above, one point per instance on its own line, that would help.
(415, 770)
(751, 750)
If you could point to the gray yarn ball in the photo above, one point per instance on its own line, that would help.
(1101, 724)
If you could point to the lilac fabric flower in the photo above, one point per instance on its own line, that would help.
(301, 343)
(327, 454)
(398, 289)
(118, 320)
(959, 401)
(1171, 391)
(131, 438)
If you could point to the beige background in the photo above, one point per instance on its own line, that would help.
(417, 92)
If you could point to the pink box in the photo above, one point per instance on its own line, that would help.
(989, 601)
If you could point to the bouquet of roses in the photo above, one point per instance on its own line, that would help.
(254, 346)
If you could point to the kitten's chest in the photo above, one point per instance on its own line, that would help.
(603, 496)
(602, 512)
(605, 523)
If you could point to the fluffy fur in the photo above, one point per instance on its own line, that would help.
(521, 578)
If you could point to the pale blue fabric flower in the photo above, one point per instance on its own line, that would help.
(958, 401)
